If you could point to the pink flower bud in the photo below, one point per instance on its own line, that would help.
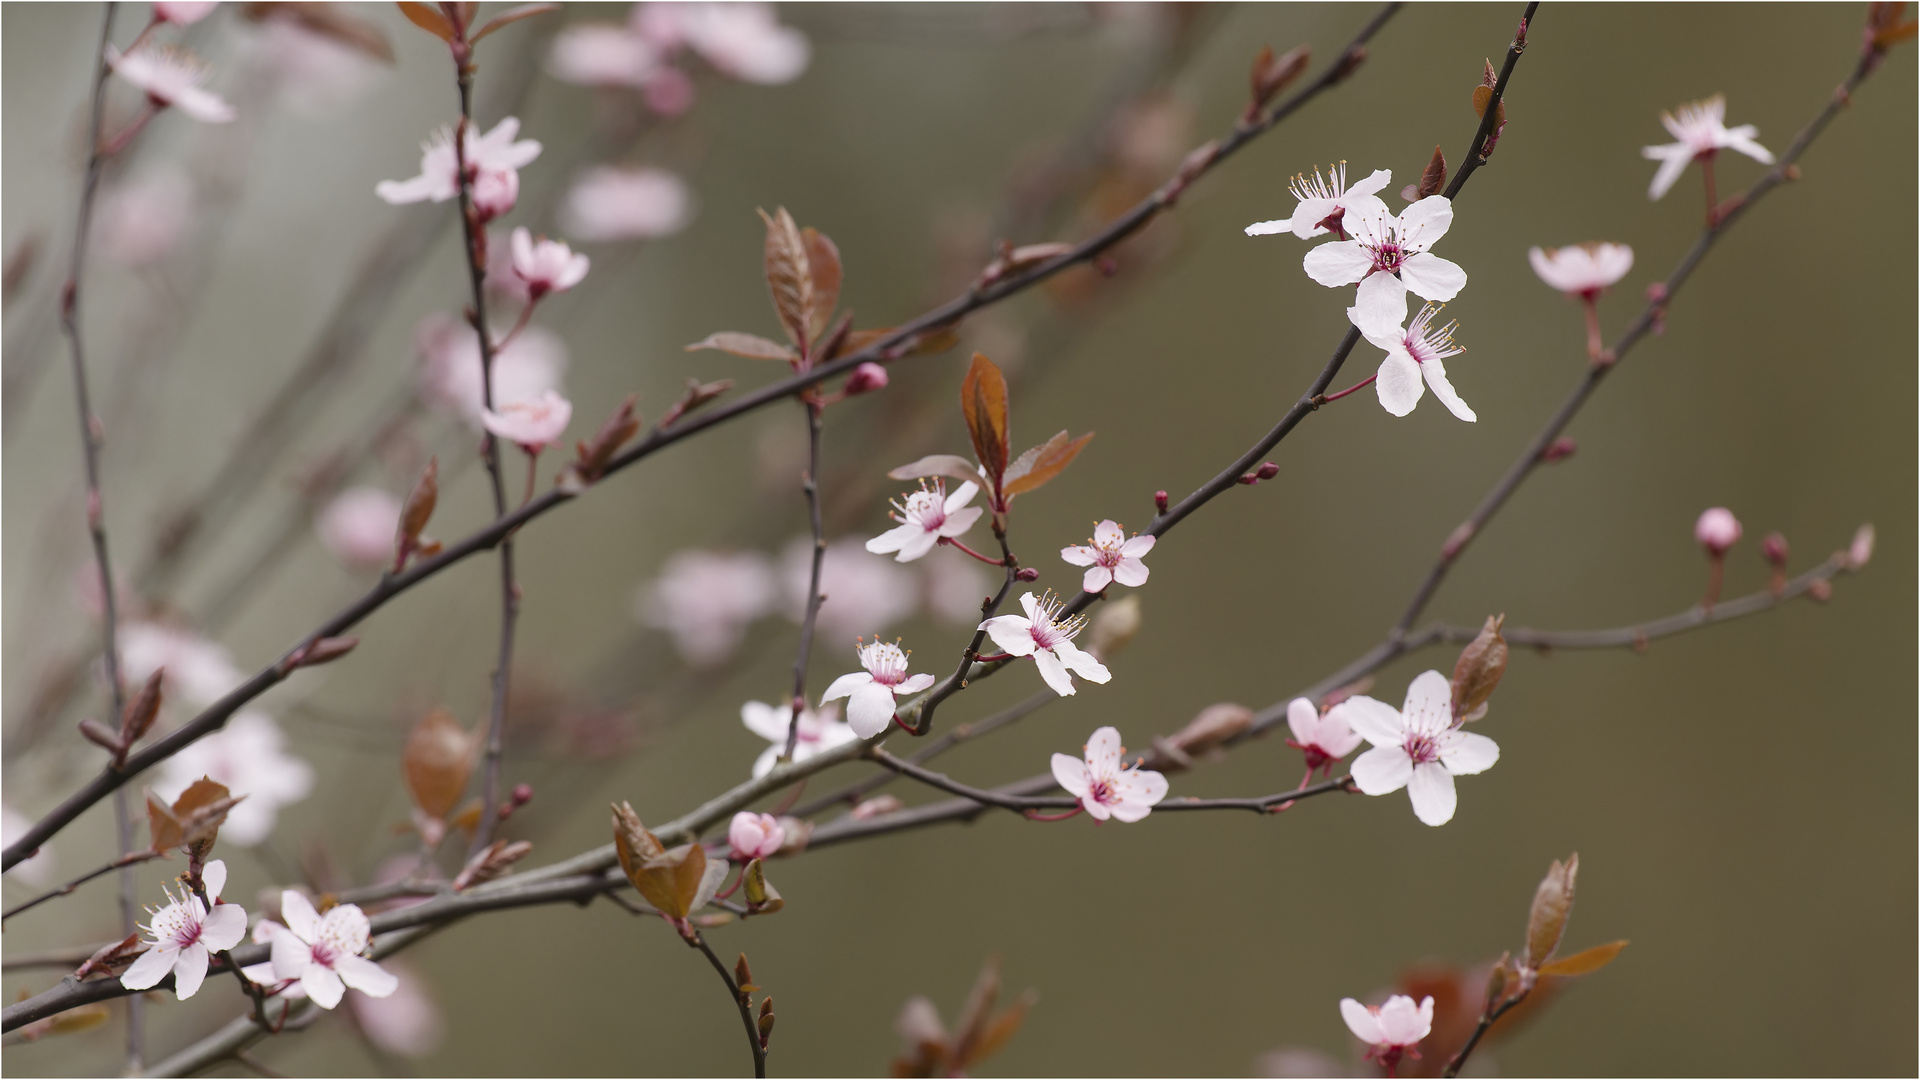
(865, 379)
(1027, 573)
(495, 192)
(1774, 549)
(1559, 450)
(755, 836)
(1160, 501)
(1861, 550)
(522, 794)
(1717, 530)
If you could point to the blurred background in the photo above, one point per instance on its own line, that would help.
(1742, 798)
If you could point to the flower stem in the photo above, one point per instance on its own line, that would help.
(1715, 568)
(1596, 346)
(988, 559)
(1035, 815)
(1361, 385)
(1713, 200)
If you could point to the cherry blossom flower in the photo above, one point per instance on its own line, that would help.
(1104, 788)
(1413, 354)
(925, 518)
(1391, 1030)
(407, 1022)
(547, 265)
(199, 672)
(1717, 530)
(607, 204)
(529, 365)
(755, 836)
(1111, 557)
(1325, 202)
(534, 425)
(497, 151)
(249, 757)
(183, 935)
(139, 223)
(602, 54)
(325, 953)
(300, 69)
(870, 694)
(863, 594)
(1860, 551)
(182, 12)
(744, 40)
(705, 600)
(1389, 257)
(171, 77)
(1049, 642)
(1701, 128)
(358, 526)
(1582, 270)
(1324, 739)
(1417, 747)
(39, 868)
(820, 731)
(495, 193)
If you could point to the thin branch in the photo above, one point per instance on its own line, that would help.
(740, 999)
(1023, 803)
(812, 486)
(132, 858)
(1487, 1020)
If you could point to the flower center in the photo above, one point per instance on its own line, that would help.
(1102, 792)
(322, 954)
(1049, 634)
(1422, 748)
(925, 508)
(1388, 256)
(885, 661)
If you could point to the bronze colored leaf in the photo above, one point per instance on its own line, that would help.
(513, 15)
(1271, 74)
(671, 880)
(632, 842)
(1478, 671)
(1552, 906)
(983, 400)
(1482, 95)
(1434, 178)
(420, 501)
(823, 261)
(1585, 961)
(436, 762)
(973, 1015)
(1043, 463)
(952, 465)
(751, 346)
(789, 278)
(162, 826)
(140, 712)
(426, 18)
(1001, 1028)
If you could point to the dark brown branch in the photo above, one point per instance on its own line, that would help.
(130, 859)
(1487, 1020)
(1478, 152)
(740, 999)
(812, 616)
(1018, 803)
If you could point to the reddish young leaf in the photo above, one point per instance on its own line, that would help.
(1482, 95)
(1552, 906)
(789, 278)
(436, 762)
(1585, 961)
(513, 15)
(983, 400)
(1044, 462)
(193, 818)
(1478, 671)
(632, 842)
(823, 261)
(419, 507)
(1271, 74)
(952, 465)
(925, 343)
(426, 18)
(1434, 178)
(751, 346)
(162, 826)
(1000, 1029)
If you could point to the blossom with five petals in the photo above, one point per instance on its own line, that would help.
(325, 953)
(1106, 789)
(1702, 130)
(1413, 354)
(1583, 269)
(496, 152)
(1048, 641)
(755, 836)
(1325, 202)
(820, 731)
(1389, 1030)
(870, 693)
(1110, 556)
(546, 265)
(534, 425)
(1418, 747)
(1388, 256)
(927, 516)
(1324, 739)
(183, 936)
(171, 77)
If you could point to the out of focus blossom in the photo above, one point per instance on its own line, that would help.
(1104, 787)
(325, 953)
(1047, 638)
(534, 425)
(1703, 132)
(546, 265)
(527, 367)
(1110, 556)
(744, 40)
(705, 600)
(1323, 739)
(182, 12)
(1416, 747)
(926, 517)
(497, 151)
(602, 54)
(1324, 202)
(870, 693)
(39, 869)
(820, 731)
(755, 836)
(199, 672)
(250, 758)
(171, 77)
(140, 222)
(1388, 256)
(864, 594)
(1861, 550)
(865, 379)
(609, 204)
(406, 1022)
(358, 526)
(1389, 1030)
(1717, 530)
(1583, 269)
(183, 935)
(495, 193)
(955, 589)
(1414, 354)
(309, 73)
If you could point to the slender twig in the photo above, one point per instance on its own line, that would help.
(811, 484)
(1023, 803)
(740, 999)
(1478, 152)
(921, 711)
(1487, 1020)
(132, 858)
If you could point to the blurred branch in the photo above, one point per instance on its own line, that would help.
(740, 999)
(812, 615)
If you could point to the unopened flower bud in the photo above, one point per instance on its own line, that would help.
(1552, 905)
(1774, 550)
(865, 379)
(1559, 450)
(1160, 501)
(1861, 550)
(1027, 573)
(1115, 626)
(755, 836)
(522, 794)
(876, 806)
(495, 192)
(1478, 671)
(1717, 530)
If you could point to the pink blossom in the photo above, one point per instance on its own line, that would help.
(1414, 354)
(534, 425)
(325, 954)
(1048, 641)
(1104, 788)
(1701, 128)
(820, 731)
(171, 77)
(249, 757)
(705, 600)
(871, 693)
(35, 870)
(358, 526)
(1418, 747)
(1111, 557)
(602, 54)
(607, 204)
(407, 1022)
(866, 378)
(311, 74)
(530, 365)
(744, 40)
(199, 672)
(755, 836)
(1717, 530)
(497, 151)
(925, 518)
(1388, 256)
(1325, 201)
(1583, 269)
(1324, 739)
(182, 12)
(862, 594)
(955, 589)
(183, 935)
(140, 222)
(1861, 549)
(1390, 1030)
(495, 193)
(547, 265)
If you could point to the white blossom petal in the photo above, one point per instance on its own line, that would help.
(1013, 634)
(1431, 277)
(1436, 376)
(1096, 579)
(1303, 720)
(1131, 573)
(1103, 752)
(151, 966)
(1054, 672)
(1425, 222)
(1398, 383)
(870, 710)
(1431, 790)
(1376, 721)
(1361, 1021)
(1341, 262)
(1465, 753)
(189, 971)
(1068, 771)
(1382, 770)
(845, 685)
(323, 985)
(225, 926)
(370, 978)
(298, 913)
(291, 956)
(1082, 663)
(914, 684)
